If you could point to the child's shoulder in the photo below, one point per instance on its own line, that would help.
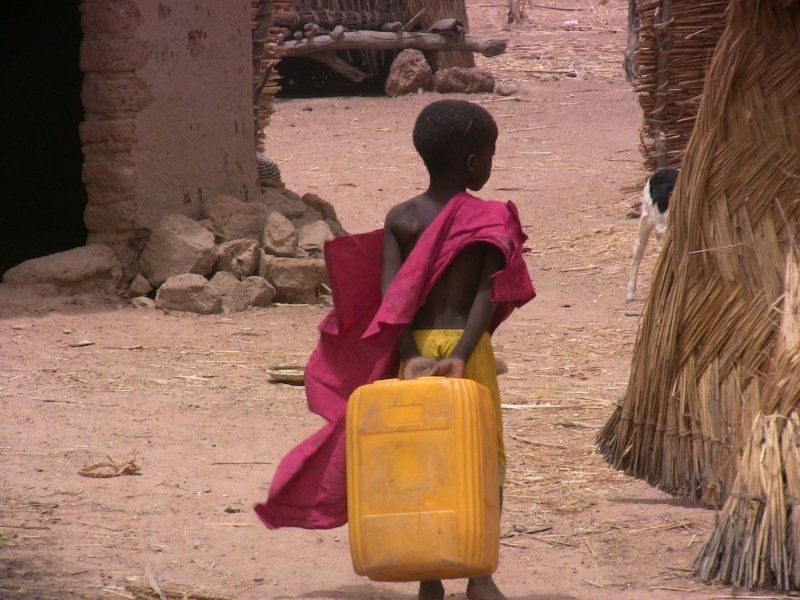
(404, 210)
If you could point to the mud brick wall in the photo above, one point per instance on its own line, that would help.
(167, 95)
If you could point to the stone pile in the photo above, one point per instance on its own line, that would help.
(238, 254)
(235, 255)
(410, 73)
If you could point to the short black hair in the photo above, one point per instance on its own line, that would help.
(449, 130)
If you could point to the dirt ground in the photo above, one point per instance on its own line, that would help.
(188, 396)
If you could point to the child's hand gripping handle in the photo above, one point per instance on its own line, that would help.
(425, 367)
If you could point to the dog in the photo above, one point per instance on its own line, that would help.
(655, 211)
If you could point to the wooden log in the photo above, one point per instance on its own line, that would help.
(340, 66)
(379, 40)
(338, 32)
(413, 21)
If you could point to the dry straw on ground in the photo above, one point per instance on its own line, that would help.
(168, 592)
(111, 468)
(708, 357)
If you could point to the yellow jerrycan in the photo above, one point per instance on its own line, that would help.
(422, 480)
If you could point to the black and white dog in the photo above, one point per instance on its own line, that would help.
(655, 206)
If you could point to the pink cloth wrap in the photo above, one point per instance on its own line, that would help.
(358, 340)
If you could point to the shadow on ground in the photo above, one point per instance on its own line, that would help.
(667, 500)
(374, 592)
(26, 576)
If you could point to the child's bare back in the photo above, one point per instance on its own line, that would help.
(448, 304)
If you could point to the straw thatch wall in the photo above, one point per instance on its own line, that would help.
(441, 9)
(756, 540)
(706, 348)
(265, 61)
(672, 45)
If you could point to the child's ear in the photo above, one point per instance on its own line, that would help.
(469, 161)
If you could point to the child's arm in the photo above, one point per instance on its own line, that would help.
(478, 320)
(415, 364)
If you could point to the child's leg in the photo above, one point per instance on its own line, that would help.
(431, 590)
(484, 588)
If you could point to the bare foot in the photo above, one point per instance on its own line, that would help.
(431, 590)
(483, 588)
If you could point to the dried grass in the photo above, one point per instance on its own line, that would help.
(709, 323)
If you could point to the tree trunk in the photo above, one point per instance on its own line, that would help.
(629, 62)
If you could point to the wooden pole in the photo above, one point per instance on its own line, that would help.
(379, 40)
(663, 27)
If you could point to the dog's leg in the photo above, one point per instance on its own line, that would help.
(645, 227)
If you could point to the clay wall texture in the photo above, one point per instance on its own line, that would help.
(167, 95)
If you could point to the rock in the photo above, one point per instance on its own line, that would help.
(335, 227)
(233, 219)
(448, 24)
(178, 245)
(505, 89)
(324, 207)
(296, 280)
(233, 295)
(189, 293)
(209, 224)
(259, 291)
(312, 237)
(462, 79)
(326, 210)
(142, 302)
(282, 200)
(409, 72)
(278, 236)
(139, 287)
(88, 268)
(238, 257)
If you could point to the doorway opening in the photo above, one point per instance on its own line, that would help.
(40, 155)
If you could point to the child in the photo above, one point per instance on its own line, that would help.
(448, 334)
(428, 289)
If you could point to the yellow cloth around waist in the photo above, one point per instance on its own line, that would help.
(437, 344)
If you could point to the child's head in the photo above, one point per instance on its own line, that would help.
(447, 132)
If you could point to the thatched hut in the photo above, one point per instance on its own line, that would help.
(710, 410)
(670, 43)
(357, 40)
